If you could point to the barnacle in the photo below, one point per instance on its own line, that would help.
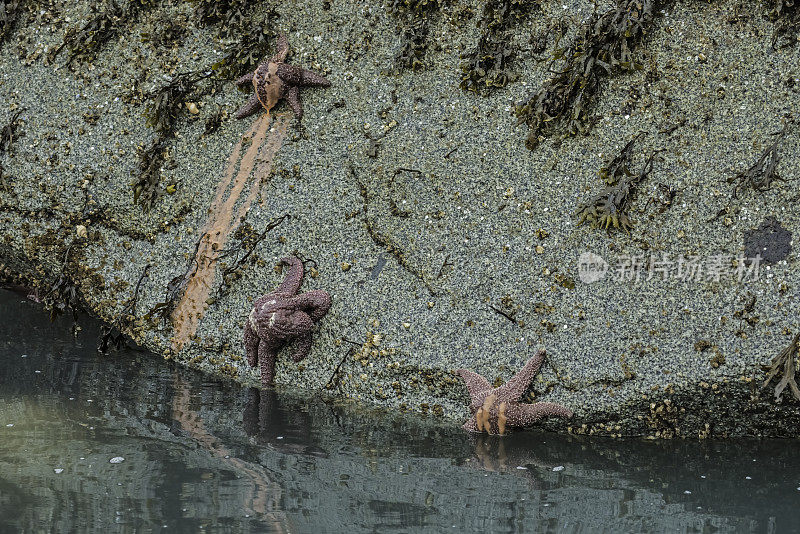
(604, 45)
(785, 360)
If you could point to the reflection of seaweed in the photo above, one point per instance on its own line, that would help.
(786, 361)
(487, 66)
(604, 44)
(610, 207)
(761, 175)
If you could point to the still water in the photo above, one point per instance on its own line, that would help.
(131, 443)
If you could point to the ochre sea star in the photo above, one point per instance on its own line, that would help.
(274, 79)
(280, 317)
(496, 409)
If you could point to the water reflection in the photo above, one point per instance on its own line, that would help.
(203, 455)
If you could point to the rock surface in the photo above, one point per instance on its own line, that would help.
(444, 242)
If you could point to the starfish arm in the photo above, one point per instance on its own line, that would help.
(516, 386)
(470, 425)
(293, 99)
(281, 49)
(247, 78)
(299, 76)
(294, 277)
(267, 355)
(302, 347)
(315, 303)
(522, 415)
(250, 413)
(475, 383)
(249, 108)
(251, 343)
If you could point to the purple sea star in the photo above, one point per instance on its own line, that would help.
(282, 316)
(495, 409)
(274, 79)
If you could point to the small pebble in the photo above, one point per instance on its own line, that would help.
(748, 478)
(116, 460)
(522, 467)
(9, 425)
(558, 468)
(58, 470)
(687, 492)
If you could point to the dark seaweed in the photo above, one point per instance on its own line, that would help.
(604, 45)
(10, 13)
(786, 16)
(163, 310)
(247, 240)
(488, 65)
(111, 336)
(609, 209)
(413, 17)
(785, 361)
(104, 24)
(166, 103)
(145, 186)
(9, 132)
(251, 47)
(764, 171)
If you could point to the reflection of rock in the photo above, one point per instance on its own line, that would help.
(771, 240)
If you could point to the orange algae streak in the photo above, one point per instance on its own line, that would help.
(222, 220)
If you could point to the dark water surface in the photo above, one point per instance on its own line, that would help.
(205, 456)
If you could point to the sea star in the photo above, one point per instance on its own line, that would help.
(495, 409)
(280, 317)
(274, 79)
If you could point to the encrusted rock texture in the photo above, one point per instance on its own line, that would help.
(446, 241)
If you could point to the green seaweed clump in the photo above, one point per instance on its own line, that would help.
(413, 16)
(9, 132)
(609, 209)
(604, 45)
(488, 65)
(786, 16)
(213, 11)
(763, 172)
(104, 24)
(250, 48)
(165, 103)
(163, 111)
(785, 361)
(151, 159)
(10, 12)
